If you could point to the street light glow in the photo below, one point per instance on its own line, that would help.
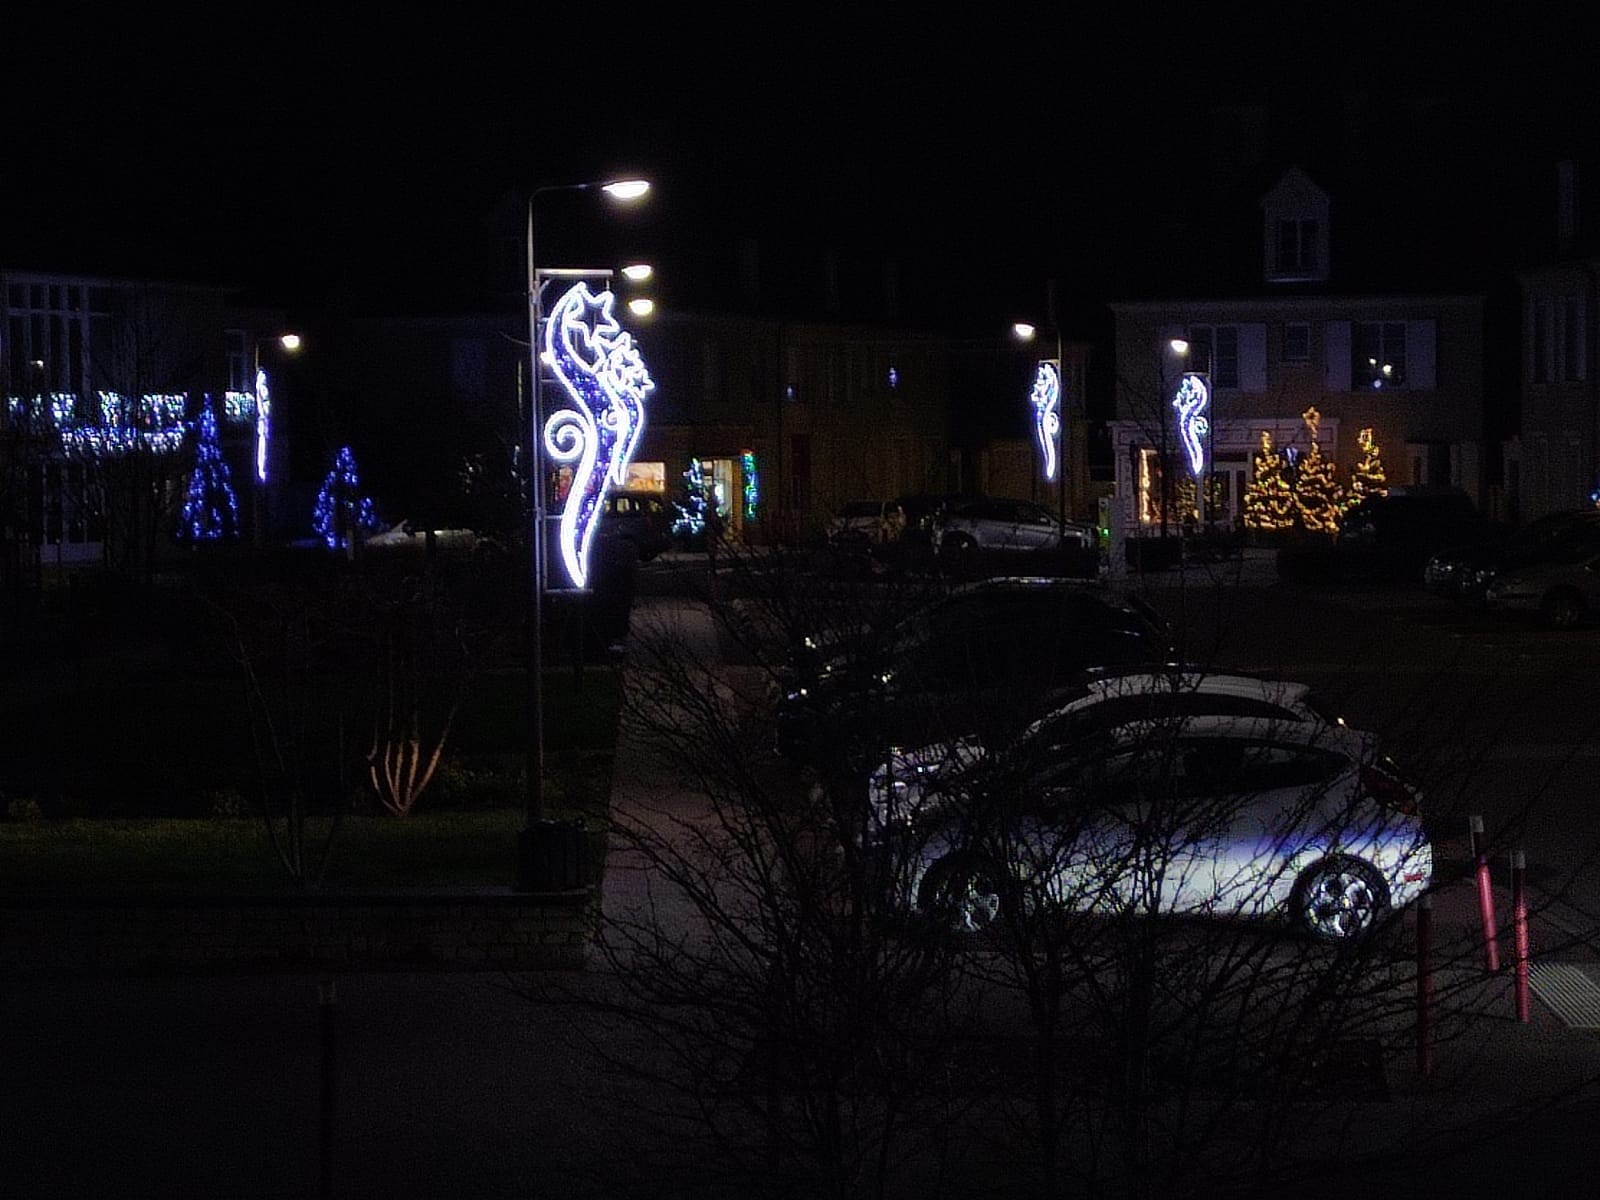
(1179, 346)
(626, 189)
(290, 342)
(638, 272)
(1023, 331)
(641, 306)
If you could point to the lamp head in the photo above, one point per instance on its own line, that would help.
(1023, 331)
(626, 189)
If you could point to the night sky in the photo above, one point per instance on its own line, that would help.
(304, 158)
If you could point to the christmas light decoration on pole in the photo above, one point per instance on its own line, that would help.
(604, 377)
(1046, 401)
(545, 848)
(1192, 402)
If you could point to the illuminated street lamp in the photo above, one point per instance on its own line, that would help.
(545, 847)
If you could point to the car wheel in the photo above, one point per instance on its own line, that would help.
(1563, 608)
(1339, 898)
(967, 895)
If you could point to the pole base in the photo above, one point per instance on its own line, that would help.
(552, 856)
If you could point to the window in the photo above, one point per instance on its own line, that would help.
(1215, 349)
(1574, 349)
(1297, 343)
(1543, 320)
(238, 362)
(1377, 355)
(1297, 247)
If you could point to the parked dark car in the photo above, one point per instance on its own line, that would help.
(1388, 538)
(1463, 574)
(641, 520)
(984, 658)
(1392, 537)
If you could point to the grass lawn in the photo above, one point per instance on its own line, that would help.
(233, 855)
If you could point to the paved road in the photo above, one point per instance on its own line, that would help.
(458, 1085)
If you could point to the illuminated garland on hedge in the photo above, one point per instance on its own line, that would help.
(238, 408)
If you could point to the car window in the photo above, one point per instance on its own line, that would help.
(1267, 766)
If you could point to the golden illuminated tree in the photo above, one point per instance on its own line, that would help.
(1268, 500)
(1318, 498)
(1367, 477)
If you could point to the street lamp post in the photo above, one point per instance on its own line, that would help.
(290, 343)
(544, 847)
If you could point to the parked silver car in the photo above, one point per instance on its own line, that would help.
(981, 532)
(1210, 816)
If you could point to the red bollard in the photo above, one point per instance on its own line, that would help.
(1425, 984)
(1519, 923)
(1480, 856)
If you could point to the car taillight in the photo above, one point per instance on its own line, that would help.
(1388, 789)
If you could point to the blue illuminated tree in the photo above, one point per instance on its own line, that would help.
(210, 509)
(341, 509)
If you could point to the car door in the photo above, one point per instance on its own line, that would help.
(1097, 840)
(1034, 528)
(1267, 803)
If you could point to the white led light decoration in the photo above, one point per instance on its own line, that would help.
(605, 379)
(1046, 401)
(1192, 401)
(263, 423)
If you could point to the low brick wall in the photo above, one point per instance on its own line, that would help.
(348, 932)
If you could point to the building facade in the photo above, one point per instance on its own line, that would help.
(103, 382)
(1407, 365)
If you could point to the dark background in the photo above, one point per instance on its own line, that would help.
(322, 160)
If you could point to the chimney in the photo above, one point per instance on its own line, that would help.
(1566, 204)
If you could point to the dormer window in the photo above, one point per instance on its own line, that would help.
(1295, 230)
(1297, 247)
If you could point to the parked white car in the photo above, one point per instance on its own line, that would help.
(1210, 816)
(897, 788)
